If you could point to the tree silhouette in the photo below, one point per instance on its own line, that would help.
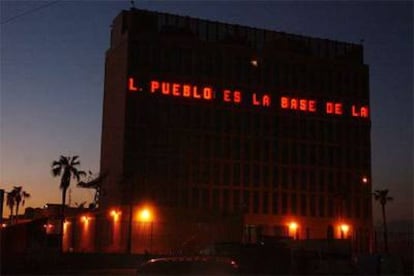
(10, 202)
(382, 197)
(66, 167)
(19, 197)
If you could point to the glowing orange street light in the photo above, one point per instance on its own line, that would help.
(85, 219)
(115, 214)
(365, 180)
(145, 215)
(293, 226)
(344, 230)
(293, 229)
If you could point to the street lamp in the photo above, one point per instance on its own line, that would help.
(115, 214)
(145, 215)
(293, 229)
(344, 230)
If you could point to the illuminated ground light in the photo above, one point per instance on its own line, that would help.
(65, 225)
(145, 214)
(85, 219)
(115, 214)
(344, 230)
(293, 229)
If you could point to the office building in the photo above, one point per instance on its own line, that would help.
(237, 122)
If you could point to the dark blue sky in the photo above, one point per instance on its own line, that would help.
(52, 70)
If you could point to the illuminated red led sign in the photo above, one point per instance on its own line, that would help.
(298, 104)
(237, 97)
(181, 90)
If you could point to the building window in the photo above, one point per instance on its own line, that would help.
(347, 211)
(304, 180)
(246, 174)
(293, 202)
(195, 198)
(216, 199)
(312, 204)
(284, 203)
(358, 207)
(236, 201)
(226, 172)
(184, 198)
(246, 201)
(265, 176)
(265, 201)
(236, 174)
(275, 203)
(235, 148)
(275, 179)
(256, 202)
(303, 205)
(330, 208)
(321, 206)
(285, 178)
(294, 179)
(274, 151)
(226, 200)
(256, 175)
(205, 198)
(312, 182)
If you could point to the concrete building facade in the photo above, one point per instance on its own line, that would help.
(228, 122)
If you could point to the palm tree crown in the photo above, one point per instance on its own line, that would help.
(16, 196)
(20, 197)
(10, 202)
(67, 167)
(382, 196)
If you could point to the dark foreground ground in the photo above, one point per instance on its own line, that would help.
(125, 264)
(71, 264)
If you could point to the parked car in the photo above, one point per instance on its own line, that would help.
(191, 265)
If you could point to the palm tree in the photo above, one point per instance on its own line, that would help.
(66, 167)
(382, 197)
(10, 202)
(20, 197)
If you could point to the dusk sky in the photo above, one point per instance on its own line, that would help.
(52, 75)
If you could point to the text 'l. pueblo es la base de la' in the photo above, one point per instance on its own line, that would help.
(207, 93)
